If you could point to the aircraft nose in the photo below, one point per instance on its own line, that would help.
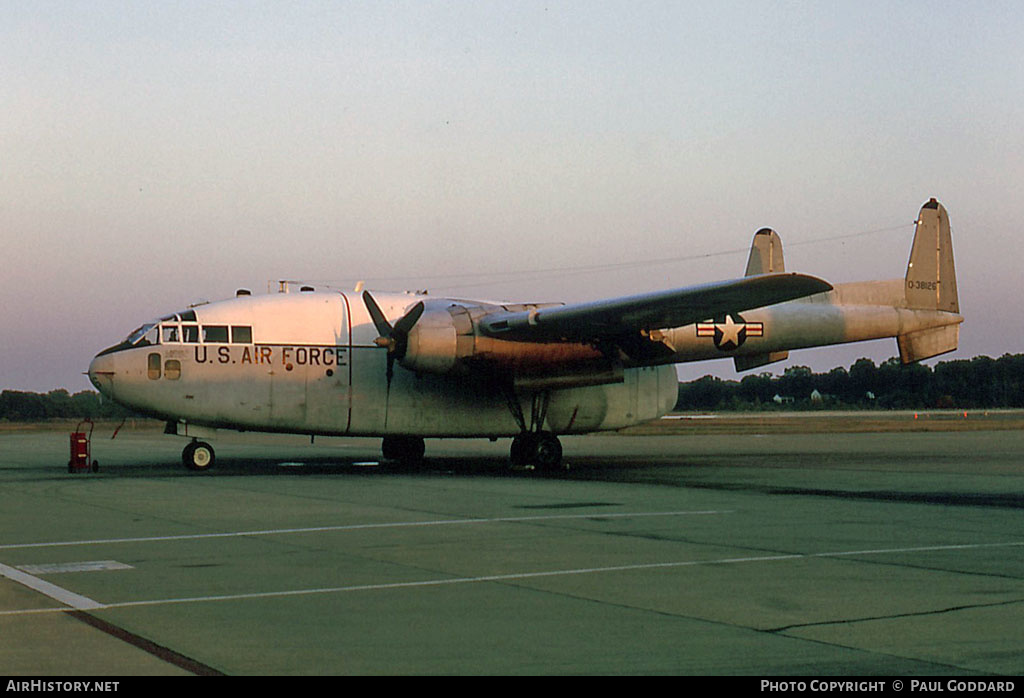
(101, 373)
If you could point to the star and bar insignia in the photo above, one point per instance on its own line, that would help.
(729, 334)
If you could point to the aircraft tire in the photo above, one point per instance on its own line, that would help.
(523, 449)
(405, 449)
(542, 450)
(548, 452)
(198, 456)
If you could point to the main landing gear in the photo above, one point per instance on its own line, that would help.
(198, 456)
(540, 449)
(534, 446)
(404, 449)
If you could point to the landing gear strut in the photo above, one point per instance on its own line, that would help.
(198, 455)
(534, 446)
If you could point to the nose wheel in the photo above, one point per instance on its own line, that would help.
(198, 456)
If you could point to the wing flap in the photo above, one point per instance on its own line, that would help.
(604, 319)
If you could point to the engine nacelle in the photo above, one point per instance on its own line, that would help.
(433, 342)
(444, 339)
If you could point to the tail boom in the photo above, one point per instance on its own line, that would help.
(921, 310)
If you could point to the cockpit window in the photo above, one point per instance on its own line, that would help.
(215, 333)
(169, 334)
(142, 336)
(188, 316)
(190, 334)
(241, 335)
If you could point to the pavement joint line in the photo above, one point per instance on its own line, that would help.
(356, 527)
(495, 577)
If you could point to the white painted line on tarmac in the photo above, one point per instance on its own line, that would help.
(66, 567)
(518, 576)
(77, 602)
(358, 527)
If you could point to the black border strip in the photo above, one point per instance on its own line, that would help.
(167, 655)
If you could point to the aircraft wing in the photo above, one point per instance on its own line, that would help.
(615, 318)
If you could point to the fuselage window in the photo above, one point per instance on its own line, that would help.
(169, 333)
(172, 369)
(190, 334)
(215, 333)
(153, 366)
(241, 335)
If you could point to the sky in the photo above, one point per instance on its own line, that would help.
(156, 154)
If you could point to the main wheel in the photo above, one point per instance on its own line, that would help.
(548, 455)
(405, 449)
(542, 450)
(198, 456)
(523, 448)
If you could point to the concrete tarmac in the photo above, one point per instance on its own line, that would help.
(753, 553)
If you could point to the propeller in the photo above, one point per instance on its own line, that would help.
(394, 338)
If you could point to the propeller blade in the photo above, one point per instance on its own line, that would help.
(390, 335)
(404, 325)
(394, 338)
(379, 321)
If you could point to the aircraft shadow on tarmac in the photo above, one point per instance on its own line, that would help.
(676, 473)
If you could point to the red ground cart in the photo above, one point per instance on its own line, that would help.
(81, 450)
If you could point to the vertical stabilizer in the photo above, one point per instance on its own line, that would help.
(765, 258)
(931, 279)
(765, 253)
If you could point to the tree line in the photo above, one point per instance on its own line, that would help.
(981, 382)
(17, 406)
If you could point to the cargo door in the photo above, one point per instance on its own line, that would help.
(327, 369)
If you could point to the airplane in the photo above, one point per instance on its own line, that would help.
(407, 366)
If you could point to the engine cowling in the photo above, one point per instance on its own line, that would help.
(445, 340)
(433, 342)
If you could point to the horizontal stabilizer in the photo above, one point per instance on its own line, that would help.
(925, 344)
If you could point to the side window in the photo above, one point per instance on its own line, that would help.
(172, 369)
(169, 333)
(215, 333)
(153, 366)
(241, 335)
(190, 334)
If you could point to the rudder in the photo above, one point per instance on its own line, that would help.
(765, 253)
(931, 277)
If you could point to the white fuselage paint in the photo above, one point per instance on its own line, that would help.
(310, 365)
(312, 368)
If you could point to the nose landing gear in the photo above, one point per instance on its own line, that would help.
(198, 456)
